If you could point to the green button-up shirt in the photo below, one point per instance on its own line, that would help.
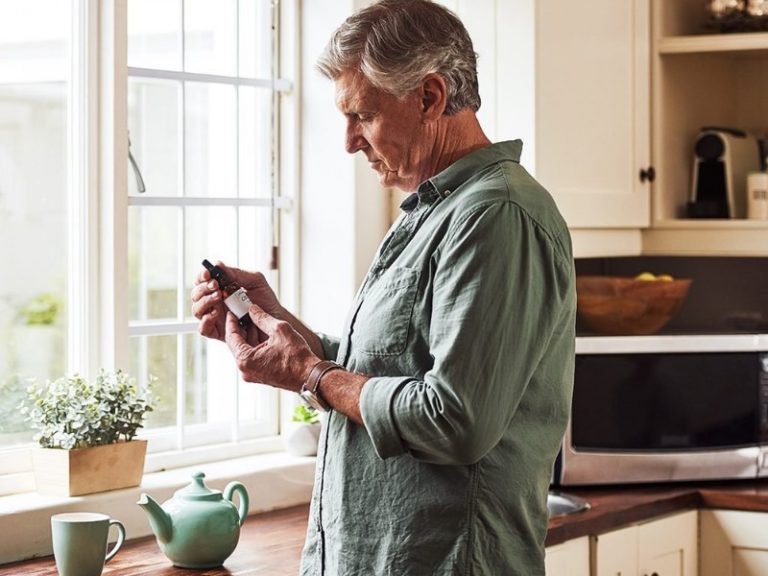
(465, 323)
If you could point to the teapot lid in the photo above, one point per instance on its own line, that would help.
(197, 490)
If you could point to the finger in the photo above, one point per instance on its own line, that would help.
(234, 336)
(204, 288)
(207, 305)
(209, 326)
(203, 277)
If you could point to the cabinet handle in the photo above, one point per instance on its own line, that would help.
(648, 174)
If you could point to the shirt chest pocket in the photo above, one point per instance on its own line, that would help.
(384, 318)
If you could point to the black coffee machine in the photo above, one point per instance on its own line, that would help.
(722, 159)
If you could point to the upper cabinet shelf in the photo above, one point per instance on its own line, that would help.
(746, 43)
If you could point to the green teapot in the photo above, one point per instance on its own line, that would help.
(198, 527)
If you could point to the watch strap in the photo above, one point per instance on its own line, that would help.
(309, 390)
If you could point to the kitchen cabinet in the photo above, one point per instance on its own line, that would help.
(664, 547)
(734, 543)
(570, 558)
(700, 78)
(592, 110)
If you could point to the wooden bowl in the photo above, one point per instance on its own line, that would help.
(625, 306)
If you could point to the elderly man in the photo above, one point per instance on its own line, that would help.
(449, 389)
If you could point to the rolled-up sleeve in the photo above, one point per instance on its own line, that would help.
(376, 401)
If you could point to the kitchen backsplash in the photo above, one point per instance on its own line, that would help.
(728, 295)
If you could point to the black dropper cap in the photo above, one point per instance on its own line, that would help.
(216, 272)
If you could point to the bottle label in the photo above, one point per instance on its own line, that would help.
(238, 303)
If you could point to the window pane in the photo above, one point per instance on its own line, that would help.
(257, 404)
(154, 34)
(256, 38)
(210, 36)
(255, 137)
(33, 201)
(153, 126)
(210, 380)
(153, 262)
(32, 48)
(256, 240)
(157, 356)
(210, 140)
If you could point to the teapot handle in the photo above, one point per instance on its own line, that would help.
(242, 510)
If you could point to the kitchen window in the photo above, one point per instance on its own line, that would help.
(108, 204)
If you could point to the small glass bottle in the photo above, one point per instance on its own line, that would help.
(235, 298)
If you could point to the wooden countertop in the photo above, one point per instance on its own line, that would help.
(613, 507)
(271, 543)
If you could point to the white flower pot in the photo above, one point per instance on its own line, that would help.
(302, 439)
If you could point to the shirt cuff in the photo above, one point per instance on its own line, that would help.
(376, 402)
(330, 346)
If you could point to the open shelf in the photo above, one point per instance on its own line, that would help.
(747, 43)
(707, 238)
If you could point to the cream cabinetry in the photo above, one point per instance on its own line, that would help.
(663, 547)
(734, 543)
(592, 110)
(700, 78)
(570, 558)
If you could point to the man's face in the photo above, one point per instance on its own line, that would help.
(389, 131)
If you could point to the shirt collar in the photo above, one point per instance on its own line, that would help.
(443, 184)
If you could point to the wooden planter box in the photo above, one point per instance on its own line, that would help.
(88, 470)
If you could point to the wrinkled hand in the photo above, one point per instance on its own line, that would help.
(280, 358)
(208, 302)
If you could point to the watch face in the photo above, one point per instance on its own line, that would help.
(312, 400)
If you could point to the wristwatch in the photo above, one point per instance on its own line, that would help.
(309, 392)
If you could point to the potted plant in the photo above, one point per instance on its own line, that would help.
(304, 433)
(86, 432)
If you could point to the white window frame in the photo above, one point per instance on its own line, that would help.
(98, 323)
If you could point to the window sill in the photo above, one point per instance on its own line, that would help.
(289, 481)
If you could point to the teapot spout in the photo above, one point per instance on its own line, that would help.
(159, 519)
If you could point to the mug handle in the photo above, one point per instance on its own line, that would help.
(120, 539)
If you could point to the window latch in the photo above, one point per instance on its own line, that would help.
(136, 172)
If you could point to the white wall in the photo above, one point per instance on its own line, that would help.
(343, 209)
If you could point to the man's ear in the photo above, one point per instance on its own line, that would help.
(434, 97)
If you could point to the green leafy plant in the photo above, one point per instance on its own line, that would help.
(42, 310)
(71, 412)
(305, 415)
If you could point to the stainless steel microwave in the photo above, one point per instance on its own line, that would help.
(667, 408)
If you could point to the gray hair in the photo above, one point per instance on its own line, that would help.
(396, 43)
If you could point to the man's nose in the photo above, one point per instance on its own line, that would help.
(355, 140)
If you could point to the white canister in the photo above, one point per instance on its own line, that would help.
(757, 196)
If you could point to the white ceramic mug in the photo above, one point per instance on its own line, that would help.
(80, 542)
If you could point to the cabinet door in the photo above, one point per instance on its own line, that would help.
(592, 100)
(569, 558)
(668, 547)
(734, 543)
(615, 553)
